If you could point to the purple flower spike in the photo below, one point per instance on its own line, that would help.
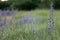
(6, 12)
(0, 16)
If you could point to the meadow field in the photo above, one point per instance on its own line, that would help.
(31, 25)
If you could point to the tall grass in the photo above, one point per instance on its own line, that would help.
(34, 30)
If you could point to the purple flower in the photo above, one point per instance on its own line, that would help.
(1, 12)
(6, 12)
(0, 16)
(27, 18)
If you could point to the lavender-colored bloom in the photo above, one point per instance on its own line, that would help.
(1, 11)
(7, 12)
(0, 17)
(26, 19)
(2, 22)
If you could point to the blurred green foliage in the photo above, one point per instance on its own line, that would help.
(28, 4)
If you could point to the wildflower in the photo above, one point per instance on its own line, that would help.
(26, 19)
(51, 20)
(0, 17)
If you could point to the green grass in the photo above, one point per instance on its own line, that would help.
(23, 32)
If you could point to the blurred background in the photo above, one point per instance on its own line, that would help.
(28, 4)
